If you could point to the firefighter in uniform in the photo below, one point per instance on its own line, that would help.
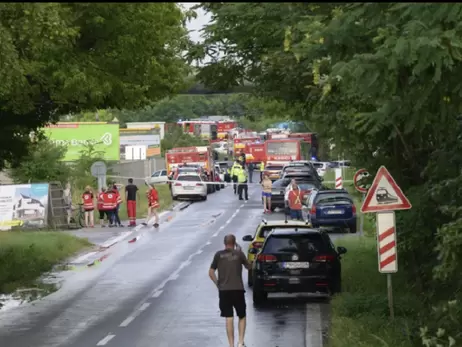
(295, 202)
(234, 170)
(262, 169)
(242, 184)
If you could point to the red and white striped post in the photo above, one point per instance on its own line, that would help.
(338, 179)
(386, 243)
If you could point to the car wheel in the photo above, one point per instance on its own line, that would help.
(174, 197)
(353, 228)
(204, 198)
(259, 296)
(249, 279)
(217, 187)
(222, 186)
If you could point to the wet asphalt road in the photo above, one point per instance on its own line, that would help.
(156, 292)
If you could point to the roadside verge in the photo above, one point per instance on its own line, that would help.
(360, 315)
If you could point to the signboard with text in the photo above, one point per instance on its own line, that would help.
(23, 206)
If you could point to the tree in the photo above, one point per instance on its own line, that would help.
(378, 78)
(59, 58)
(43, 163)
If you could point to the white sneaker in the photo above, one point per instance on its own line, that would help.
(241, 345)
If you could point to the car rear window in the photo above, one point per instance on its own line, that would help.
(264, 231)
(273, 167)
(318, 165)
(190, 178)
(223, 165)
(282, 183)
(329, 198)
(306, 186)
(308, 243)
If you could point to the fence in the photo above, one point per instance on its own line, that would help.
(138, 168)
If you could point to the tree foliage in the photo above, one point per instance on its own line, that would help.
(65, 57)
(381, 79)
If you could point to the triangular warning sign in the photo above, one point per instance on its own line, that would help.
(384, 194)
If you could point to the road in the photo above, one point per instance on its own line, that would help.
(156, 291)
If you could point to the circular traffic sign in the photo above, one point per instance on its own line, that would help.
(98, 169)
(360, 180)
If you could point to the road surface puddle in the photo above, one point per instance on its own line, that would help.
(25, 295)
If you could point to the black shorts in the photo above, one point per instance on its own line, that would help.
(230, 299)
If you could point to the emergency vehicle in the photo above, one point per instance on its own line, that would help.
(255, 152)
(283, 151)
(311, 139)
(197, 155)
(240, 143)
(200, 128)
(224, 128)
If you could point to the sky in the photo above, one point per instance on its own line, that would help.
(196, 24)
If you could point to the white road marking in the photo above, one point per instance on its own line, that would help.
(105, 340)
(127, 321)
(186, 263)
(199, 252)
(144, 306)
(313, 330)
(228, 221)
(215, 235)
(208, 243)
(221, 228)
(157, 294)
(173, 277)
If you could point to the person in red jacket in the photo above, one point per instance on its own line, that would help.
(99, 205)
(88, 206)
(295, 202)
(109, 204)
(153, 205)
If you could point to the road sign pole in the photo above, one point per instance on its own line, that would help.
(390, 296)
(361, 218)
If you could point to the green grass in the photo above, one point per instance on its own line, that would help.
(360, 315)
(24, 256)
(142, 205)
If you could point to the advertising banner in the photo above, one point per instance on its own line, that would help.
(23, 206)
(75, 136)
(149, 138)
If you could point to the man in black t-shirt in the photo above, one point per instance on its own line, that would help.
(131, 195)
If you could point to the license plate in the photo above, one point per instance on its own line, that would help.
(189, 188)
(276, 193)
(294, 280)
(335, 212)
(296, 265)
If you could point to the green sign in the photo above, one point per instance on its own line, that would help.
(104, 136)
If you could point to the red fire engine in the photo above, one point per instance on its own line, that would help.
(239, 144)
(255, 152)
(282, 151)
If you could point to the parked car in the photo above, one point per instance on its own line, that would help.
(273, 171)
(189, 185)
(296, 260)
(279, 189)
(306, 172)
(159, 177)
(262, 231)
(321, 167)
(332, 208)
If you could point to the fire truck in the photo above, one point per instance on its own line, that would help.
(311, 139)
(283, 151)
(239, 144)
(200, 128)
(201, 156)
(224, 128)
(255, 152)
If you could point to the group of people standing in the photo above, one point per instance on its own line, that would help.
(108, 204)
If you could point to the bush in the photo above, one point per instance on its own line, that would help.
(27, 255)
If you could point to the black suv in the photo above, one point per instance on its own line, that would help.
(296, 261)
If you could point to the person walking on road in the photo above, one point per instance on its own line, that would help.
(262, 169)
(242, 184)
(267, 185)
(234, 170)
(88, 202)
(131, 195)
(251, 167)
(153, 205)
(295, 202)
(231, 292)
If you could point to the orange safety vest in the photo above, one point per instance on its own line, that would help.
(153, 198)
(88, 201)
(295, 200)
(100, 201)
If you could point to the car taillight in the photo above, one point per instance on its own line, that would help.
(257, 244)
(178, 184)
(353, 207)
(324, 258)
(313, 209)
(199, 184)
(266, 258)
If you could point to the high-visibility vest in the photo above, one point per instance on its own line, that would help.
(87, 198)
(235, 168)
(153, 198)
(100, 201)
(262, 166)
(295, 199)
(109, 201)
(241, 176)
